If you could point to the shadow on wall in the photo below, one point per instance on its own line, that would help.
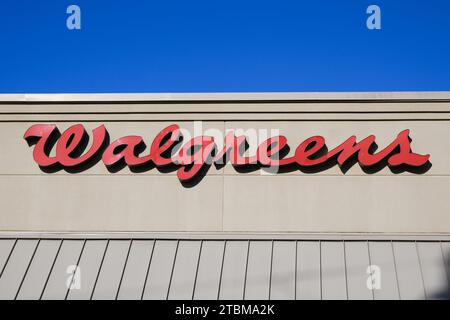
(444, 294)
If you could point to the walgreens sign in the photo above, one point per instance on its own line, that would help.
(191, 157)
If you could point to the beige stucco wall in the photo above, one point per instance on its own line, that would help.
(225, 200)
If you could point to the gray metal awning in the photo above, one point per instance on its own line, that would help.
(138, 268)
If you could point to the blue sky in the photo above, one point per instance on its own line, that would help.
(223, 46)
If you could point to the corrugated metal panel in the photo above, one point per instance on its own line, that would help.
(433, 269)
(185, 270)
(283, 270)
(89, 265)
(109, 277)
(234, 270)
(39, 270)
(209, 270)
(382, 256)
(132, 286)
(334, 277)
(6, 247)
(445, 294)
(409, 273)
(68, 255)
(309, 271)
(160, 271)
(223, 269)
(357, 260)
(259, 265)
(16, 268)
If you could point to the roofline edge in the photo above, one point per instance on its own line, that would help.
(323, 236)
(228, 97)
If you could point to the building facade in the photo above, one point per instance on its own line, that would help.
(225, 196)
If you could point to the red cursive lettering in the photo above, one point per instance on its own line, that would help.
(199, 152)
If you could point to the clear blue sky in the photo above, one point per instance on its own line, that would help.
(227, 45)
